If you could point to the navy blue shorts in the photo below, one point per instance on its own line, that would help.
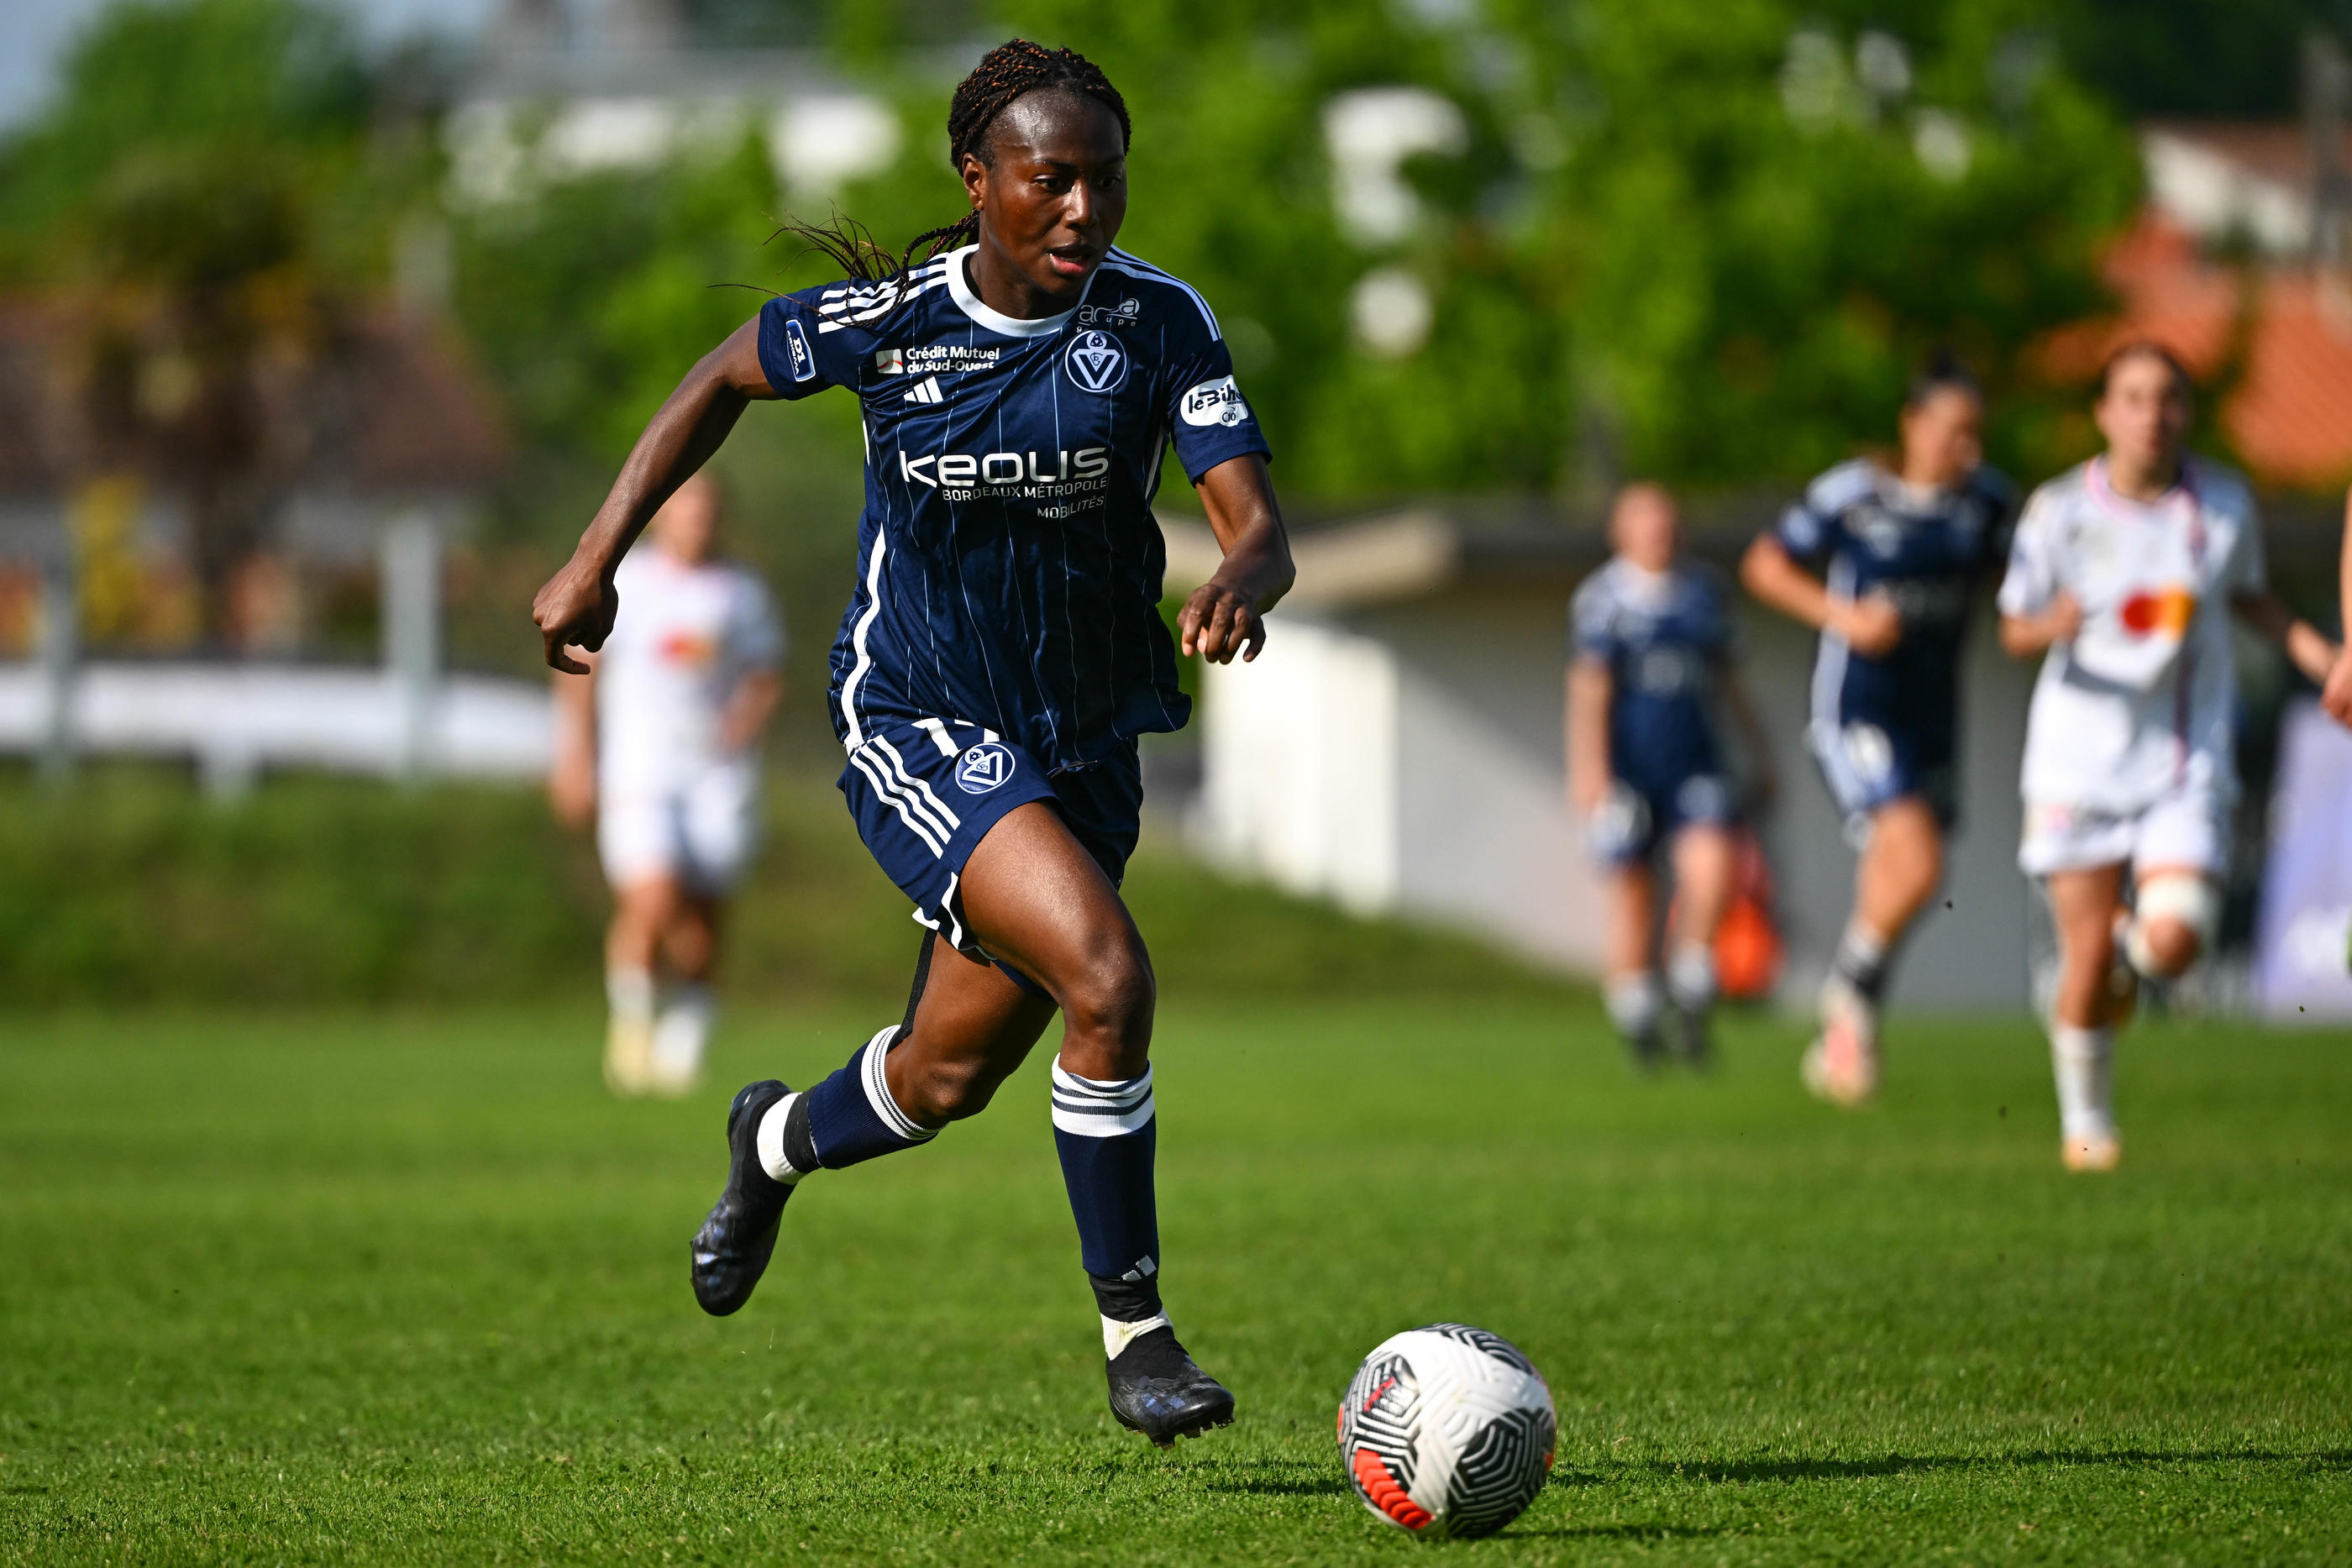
(1641, 814)
(1869, 762)
(926, 792)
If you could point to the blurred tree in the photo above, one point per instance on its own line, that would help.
(211, 187)
(1698, 239)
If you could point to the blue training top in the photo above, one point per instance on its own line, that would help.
(1663, 636)
(1008, 563)
(1926, 551)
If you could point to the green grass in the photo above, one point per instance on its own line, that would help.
(349, 1289)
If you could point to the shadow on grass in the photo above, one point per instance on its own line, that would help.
(1712, 1470)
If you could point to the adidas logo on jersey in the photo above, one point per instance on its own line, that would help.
(925, 391)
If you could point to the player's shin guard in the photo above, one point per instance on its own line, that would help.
(852, 1116)
(1107, 1132)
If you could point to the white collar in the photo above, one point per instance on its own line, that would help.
(959, 290)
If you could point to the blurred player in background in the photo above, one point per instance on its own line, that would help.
(1884, 562)
(659, 744)
(1649, 662)
(2124, 572)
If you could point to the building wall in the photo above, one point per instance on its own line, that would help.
(1409, 759)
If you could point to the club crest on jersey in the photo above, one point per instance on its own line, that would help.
(1215, 403)
(1881, 531)
(984, 767)
(1096, 363)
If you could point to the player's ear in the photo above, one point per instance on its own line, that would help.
(975, 178)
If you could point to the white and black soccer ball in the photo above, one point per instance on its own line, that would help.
(1447, 1430)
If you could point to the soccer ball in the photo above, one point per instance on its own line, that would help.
(1447, 1430)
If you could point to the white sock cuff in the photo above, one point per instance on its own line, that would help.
(2074, 1043)
(1690, 974)
(770, 1142)
(1117, 1336)
(1101, 1107)
(878, 1089)
(630, 993)
(1633, 1001)
(1866, 946)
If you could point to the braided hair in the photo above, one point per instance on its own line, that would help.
(1005, 74)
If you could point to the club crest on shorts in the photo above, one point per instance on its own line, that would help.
(1096, 363)
(984, 767)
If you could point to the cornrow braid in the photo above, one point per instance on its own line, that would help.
(1004, 75)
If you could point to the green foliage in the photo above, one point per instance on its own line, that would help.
(354, 1290)
(247, 101)
(317, 890)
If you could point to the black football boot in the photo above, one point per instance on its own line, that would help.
(731, 1251)
(1156, 1390)
(1693, 1040)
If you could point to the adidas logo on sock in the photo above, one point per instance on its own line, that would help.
(925, 391)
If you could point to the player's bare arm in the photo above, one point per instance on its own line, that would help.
(2306, 647)
(576, 606)
(1870, 625)
(2029, 636)
(1223, 616)
(1590, 688)
(750, 707)
(2335, 696)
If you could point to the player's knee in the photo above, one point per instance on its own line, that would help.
(2174, 923)
(1110, 993)
(2164, 947)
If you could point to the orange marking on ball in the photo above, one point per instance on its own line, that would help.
(1387, 1496)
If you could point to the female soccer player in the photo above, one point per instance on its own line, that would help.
(1903, 549)
(658, 744)
(1000, 654)
(1650, 653)
(2122, 570)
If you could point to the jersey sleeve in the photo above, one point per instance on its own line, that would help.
(800, 351)
(2031, 581)
(1592, 624)
(1208, 418)
(1810, 530)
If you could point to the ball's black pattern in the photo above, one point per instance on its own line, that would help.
(1499, 1473)
(1478, 1339)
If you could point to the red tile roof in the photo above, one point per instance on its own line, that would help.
(2289, 412)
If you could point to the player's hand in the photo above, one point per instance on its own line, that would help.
(575, 608)
(2062, 621)
(1870, 625)
(1586, 794)
(1218, 621)
(2335, 696)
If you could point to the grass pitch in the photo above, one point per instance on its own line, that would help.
(359, 1290)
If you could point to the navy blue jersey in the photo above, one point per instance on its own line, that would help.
(1867, 532)
(1663, 636)
(1009, 568)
